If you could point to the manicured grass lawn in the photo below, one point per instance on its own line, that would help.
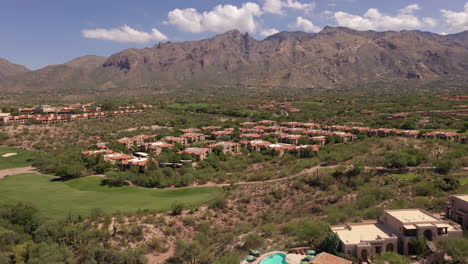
(406, 176)
(57, 199)
(22, 159)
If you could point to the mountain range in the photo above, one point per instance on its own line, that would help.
(335, 56)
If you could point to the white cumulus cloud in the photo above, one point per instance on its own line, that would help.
(124, 34)
(306, 25)
(456, 21)
(373, 19)
(273, 7)
(222, 18)
(277, 6)
(268, 32)
(307, 7)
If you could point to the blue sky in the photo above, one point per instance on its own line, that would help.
(37, 33)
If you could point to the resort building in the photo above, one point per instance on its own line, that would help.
(227, 147)
(267, 122)
(116, 157)
(198, 153)
(282, 148)
(218, 134)
(458, 209)
(194, 137)
(180, 140)
(190, 130)
(96, 152)
(250, 136)
(156, 147)
(320, 140)
(244, 124)
(256, 145)
(211, 128)
(139, 162)
(410, 133)
(290, 139)
(395, 231)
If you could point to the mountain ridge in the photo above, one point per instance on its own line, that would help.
(8, 68)
(335, 56)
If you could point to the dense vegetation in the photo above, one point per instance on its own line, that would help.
(356, 181)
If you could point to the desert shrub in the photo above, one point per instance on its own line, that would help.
(177, 207)
(219, 204)
(252, 241)
(391, 258)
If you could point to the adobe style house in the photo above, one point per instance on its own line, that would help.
(394, 232)
(228, 147)
(198, 153)
(458, 209)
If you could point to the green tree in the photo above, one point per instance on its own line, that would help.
(331, 243)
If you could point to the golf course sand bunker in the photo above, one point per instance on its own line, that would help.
(9, 155)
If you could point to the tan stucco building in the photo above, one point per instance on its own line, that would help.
(458, 209)
(394, 231)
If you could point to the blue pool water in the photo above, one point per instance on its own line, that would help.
(278, 258)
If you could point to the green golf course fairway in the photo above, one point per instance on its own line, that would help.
(22, 159)
(56, 199)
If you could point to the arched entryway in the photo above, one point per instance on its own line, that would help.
(428, 235)
(364, 255)
(389, 248)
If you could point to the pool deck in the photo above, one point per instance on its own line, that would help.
(290, 258)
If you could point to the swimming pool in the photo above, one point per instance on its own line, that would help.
(278, 258)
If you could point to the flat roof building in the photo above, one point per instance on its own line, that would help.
(458, 209)
(394, 231)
